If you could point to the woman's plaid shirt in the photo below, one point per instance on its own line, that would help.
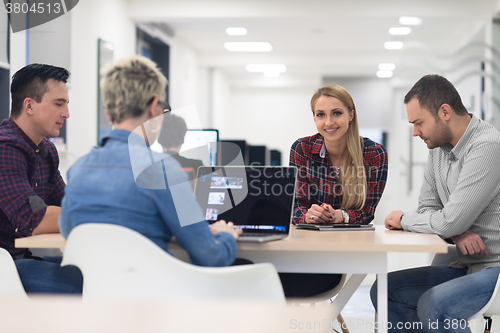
(317, 182)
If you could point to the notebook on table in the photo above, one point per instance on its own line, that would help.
(335, 227)
(257, 199)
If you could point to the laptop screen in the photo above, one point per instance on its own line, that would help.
(256, 199)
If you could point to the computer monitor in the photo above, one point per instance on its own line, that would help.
(258, 155)
(230, 149)
(275, 157)
(201, 144)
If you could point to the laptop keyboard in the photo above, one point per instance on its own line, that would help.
(252, 234)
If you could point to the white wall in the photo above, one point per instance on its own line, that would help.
(372, 97)
(17, 51)
(492, 93)
(91, 20)
(274, 117)
(71, 41)
(50, 42)
(109, 21)
(190, 85)
(187, 81)
(219, 103)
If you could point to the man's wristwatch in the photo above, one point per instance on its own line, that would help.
(345, 215)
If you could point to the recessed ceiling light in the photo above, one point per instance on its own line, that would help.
(263, 68)
(386, 66)
(384, 74)
(399, 31)
(410, 20)
(393, 45)
(248, 46)
(236, 31)
(272, 74)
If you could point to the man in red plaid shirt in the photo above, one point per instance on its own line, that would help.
(32, 187)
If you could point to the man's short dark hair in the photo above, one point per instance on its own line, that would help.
(432, 91)
(31, 81)
(172, 132)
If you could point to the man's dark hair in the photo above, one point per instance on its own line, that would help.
(432, 91)
(31, 81)
(172, 132)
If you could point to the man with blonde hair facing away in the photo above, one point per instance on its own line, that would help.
(107, 186)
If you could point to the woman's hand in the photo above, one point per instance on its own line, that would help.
(338, 217)
(222, 226)
(324, 214)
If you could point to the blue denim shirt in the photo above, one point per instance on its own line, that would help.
(125, 183)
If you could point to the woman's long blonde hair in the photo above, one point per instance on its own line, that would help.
(353, 170)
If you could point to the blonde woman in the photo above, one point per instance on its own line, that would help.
(341, 177)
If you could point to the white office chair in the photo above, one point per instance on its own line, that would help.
(328, 295)
(119, 263)
(446, 258)
(10, 283)
(492, 308)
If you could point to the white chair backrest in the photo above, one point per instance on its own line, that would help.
(446, 258)
(492, 308)
(329, 294)
(10, 283)
(119, 263)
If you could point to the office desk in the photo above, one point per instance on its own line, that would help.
(45, 241)
(352, 252)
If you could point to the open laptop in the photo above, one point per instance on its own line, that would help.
(257, 199)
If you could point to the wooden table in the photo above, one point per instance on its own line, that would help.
(352, 252)
(45, 241)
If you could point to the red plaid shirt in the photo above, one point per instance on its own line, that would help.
(317, 183)
(29, 182)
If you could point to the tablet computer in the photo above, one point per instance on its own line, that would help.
(335, 227)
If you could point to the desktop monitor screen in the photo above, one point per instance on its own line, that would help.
(202, 145)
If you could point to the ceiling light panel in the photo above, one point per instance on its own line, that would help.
(384, 74)
(248, 46)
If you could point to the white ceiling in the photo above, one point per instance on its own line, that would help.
(316, 38)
